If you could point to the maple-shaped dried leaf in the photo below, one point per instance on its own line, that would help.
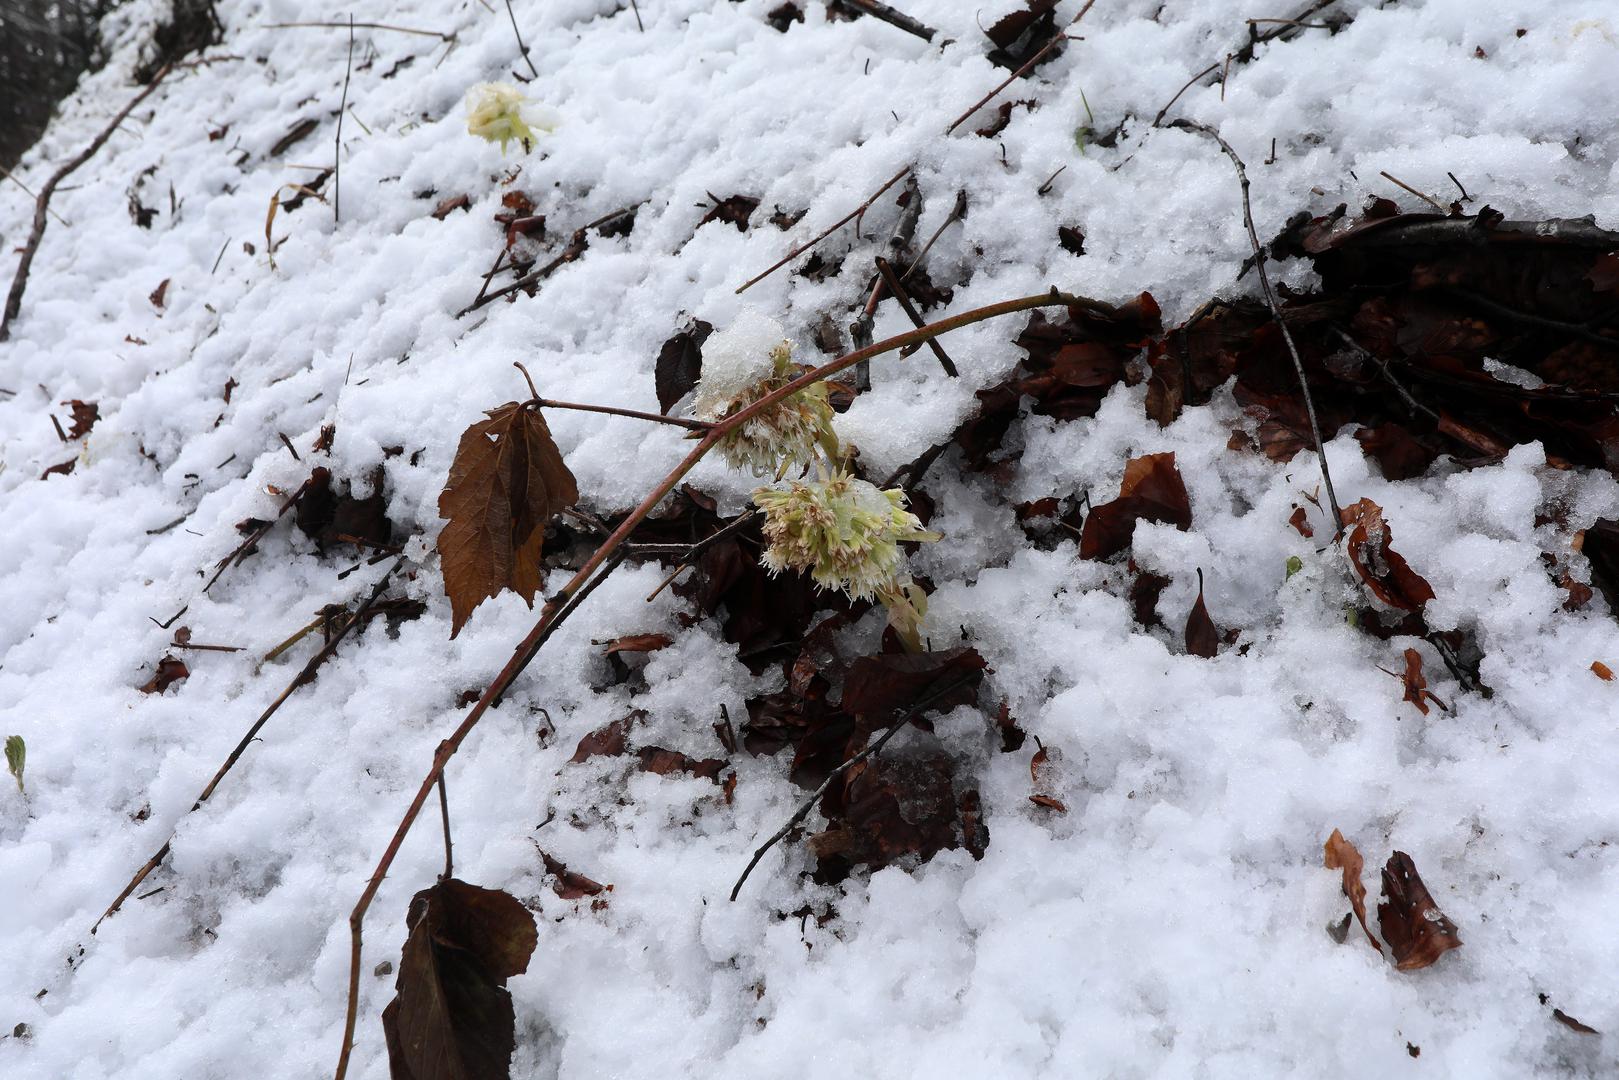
(680, 364)
(1202, 639)
(85, 415)
(452, 1017)
(170, 670)
(608, 740)
(1152, 490)
(1418, 933)
(1385, 573)
(1342, 855)
(570, 885)
(507, 479)
(735, 210)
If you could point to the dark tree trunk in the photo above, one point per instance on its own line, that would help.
(44, 46)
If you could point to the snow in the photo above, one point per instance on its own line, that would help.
(1170, 924)
(736, 358)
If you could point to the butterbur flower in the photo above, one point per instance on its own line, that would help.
(843, 531)
(742, 364)
(499, 113)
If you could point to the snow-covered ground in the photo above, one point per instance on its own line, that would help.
(1171, 923)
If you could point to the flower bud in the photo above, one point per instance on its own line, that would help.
(745, 362)
(499, 113)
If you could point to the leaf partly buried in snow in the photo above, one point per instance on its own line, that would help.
(680, 364)
(1385, 573)
(452, 1017)
(1342, 855)
(1418, 933)
(1202, 639)
(1152, 490)
(507, 480)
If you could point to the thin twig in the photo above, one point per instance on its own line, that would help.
(879, 10)
(303, 678)
(337, 141)
(9, 175)
(43, 201)
(444, 813)
(604, 558)
(358, 26)
(860, 210)
(691, 553)
(613, 410)
(1429, 199)
(1245, 52)
(522, 49)
(1276, 313)
(1399, 388)
(808, 804)
(258, 534)
(639, 25)
(899, 294)
(957, 212)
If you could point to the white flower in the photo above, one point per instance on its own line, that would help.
(745, 362)
(499, 112)
(845, 532)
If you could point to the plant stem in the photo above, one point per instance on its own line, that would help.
(636, 414)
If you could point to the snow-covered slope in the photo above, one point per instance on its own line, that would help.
(1169, 924)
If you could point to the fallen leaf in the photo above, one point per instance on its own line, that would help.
(1301, 521)
(452, 1017)
(735, 210)
(170, 670)
(639, 643)
(507, 479)
(1202, 639)
(85, 415)
(1385, 573)
(1416, 685)
(879, 687)
(680, 364)
(1418, 933)
(159, 294)
(328, 516)
(570, 885)
(1601, 671)
(449, 206)
(301, 130)
(1342, 855)
(655, 759)
(1049, 803)
(1572, 1024)
(1152, 490)
(608, 740)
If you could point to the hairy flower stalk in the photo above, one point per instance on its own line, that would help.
(742, 364)
(846, 534)
(499, 113)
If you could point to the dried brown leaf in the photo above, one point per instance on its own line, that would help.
(1342, 855)
(1418, 933)
(1202, 638)
(507, 479)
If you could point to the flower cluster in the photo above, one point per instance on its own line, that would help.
(844, 531)
(498, 112)
(744, 363)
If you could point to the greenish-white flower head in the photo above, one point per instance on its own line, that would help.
(499, 113)
(843, 531)
(745, 362)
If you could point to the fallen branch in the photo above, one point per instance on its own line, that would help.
(878, 10)
(1276, 313)
(1287, 29)
(43, 202)
(904, 299)
(809, 804)
(604, 558)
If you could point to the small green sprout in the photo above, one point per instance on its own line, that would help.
(1294, 565)
(16, 755)
(1087, 130)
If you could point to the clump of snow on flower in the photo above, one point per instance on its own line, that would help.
(736, 358)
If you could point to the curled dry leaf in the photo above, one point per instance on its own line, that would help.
(1418, 933)
(1385, 573)
(639, 643)
(170, 670)
(1342, 855)
(1416, 684)
(452, 1017)
(85, 415)
(570, 885)
(507, 479)
(608, 740)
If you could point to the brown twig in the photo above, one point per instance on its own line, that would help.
(577, 245)
(1276, 313)
(899, 294)
(809, 804)
(43, 202)
(303, 678)
(691, 553)
(526, 59)
(613, 410)
(7, 173)
(860, 210)
(444, 813)
(603, 559)
(1245, 53)
(878, 10)
(359, 26)
(1397, 182)
(337, 141)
